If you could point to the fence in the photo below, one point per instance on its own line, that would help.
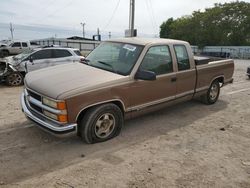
(236, 52)
(83, 45)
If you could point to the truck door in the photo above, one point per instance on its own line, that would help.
(186, 75)
(144, 93)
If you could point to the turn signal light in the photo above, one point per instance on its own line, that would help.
(61, 105)
(62, 118)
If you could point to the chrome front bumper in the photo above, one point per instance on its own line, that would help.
(44, 122)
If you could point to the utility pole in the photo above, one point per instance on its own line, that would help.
(131, 17)
(109, 35)
(83, 29)
(11, 30)
(98, 31)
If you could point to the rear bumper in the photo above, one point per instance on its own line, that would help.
(45, 123)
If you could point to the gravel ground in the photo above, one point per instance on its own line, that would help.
(187, 145)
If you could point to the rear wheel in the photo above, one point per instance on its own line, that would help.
(212, 94)
(101, 123)
(14, 79)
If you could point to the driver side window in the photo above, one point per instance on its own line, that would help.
(158, 60)
(16, 44)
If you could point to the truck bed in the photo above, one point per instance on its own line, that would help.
(201, 60)
(207, 72)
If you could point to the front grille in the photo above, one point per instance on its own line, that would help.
(37, 108)
(34, 95)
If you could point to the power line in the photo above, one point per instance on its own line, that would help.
(150, 13)
(55, 12)
(112, 15)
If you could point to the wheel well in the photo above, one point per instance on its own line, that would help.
(220, 79)
(4, 50)
(23, 73)
(83, 112)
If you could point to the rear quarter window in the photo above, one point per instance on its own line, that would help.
(24, 44)
(182, 57)
(61, 53)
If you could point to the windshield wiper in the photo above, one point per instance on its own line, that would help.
(107, 64)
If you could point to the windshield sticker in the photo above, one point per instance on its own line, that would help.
(129, 47)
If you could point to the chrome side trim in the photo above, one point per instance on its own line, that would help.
(191, 92)
(202, 88)
(57, 128)
(141, 106)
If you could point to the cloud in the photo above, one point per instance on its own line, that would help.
(7, 13)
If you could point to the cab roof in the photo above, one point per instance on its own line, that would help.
(147, 41)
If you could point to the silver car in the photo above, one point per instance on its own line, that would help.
(13, 70)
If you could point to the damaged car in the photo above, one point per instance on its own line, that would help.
(14, 68)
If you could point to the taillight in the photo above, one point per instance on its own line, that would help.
(82, 60)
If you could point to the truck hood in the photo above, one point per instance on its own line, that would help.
(64, 81)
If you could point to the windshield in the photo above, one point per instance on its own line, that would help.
(116, 57)
(23, 55)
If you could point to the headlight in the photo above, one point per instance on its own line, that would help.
(54, 104)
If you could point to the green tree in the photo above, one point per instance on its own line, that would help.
(224, 24)
(165, 28)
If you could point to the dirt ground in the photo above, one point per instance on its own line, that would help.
(187, 145)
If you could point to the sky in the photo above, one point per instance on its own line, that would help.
(33, 19)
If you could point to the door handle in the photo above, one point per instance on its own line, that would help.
(173, 79)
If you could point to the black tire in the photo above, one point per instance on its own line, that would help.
(14, 79)
(212, 94)
(249, 76)
(97, 119)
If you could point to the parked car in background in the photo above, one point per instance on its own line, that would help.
(120, 79)
(16, 47)
(14, 68)
(248, 72)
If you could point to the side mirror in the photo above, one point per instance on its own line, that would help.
(145, 75)
(31, 59)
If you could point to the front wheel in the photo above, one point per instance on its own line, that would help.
(14, 79)
(101, 123)
(5, 53)
(212, 94)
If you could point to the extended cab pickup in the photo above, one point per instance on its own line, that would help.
(120, 79)
(15, 47)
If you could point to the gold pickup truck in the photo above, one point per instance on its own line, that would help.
(120, 79)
